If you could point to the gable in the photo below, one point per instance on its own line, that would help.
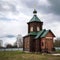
(50, 34)
(44, 33)
(47, 32)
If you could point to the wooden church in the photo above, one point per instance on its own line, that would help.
(38, 39)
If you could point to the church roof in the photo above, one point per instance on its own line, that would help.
(40, 34)
(34, 18)
(32, 33)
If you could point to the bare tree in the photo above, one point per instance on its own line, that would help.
(19, 41)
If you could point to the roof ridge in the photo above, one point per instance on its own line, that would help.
(45, 33)
(40, 33)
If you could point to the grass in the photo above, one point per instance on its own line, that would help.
(57, 51)
(19, 55)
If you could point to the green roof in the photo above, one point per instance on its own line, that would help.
(44, 34)
(32, 33)
(40, 34)
(34, 19)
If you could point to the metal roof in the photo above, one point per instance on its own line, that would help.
(45, 33)
(34, 19)
(40, 34)
(32, 33)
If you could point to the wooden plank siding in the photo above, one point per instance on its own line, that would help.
(26, 45)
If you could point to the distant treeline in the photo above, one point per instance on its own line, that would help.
(11, 46)
(57, 43)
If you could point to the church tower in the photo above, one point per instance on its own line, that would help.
(34, 24)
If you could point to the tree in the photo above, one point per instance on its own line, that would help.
(1, 42)
(15, 45)
(9, 46)
(19, 41)
(57, 43)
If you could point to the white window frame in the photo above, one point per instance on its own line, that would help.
(31, 29)
(38, 29)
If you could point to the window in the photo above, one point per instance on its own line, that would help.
(31, 29)
(38, 29)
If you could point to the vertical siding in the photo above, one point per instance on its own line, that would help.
(49, 44)
(34, 25)
(43, 41)
(49, 41)
(37, 45)
(26, 44)
(32, 44)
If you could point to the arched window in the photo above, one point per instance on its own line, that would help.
(38, 29)
(31, 29)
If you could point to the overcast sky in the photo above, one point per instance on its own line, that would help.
(14, 15)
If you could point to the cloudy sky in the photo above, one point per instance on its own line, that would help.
(14, 15)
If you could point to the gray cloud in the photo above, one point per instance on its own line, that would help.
(54, 6)
(30, 3)
(8, 36)
(7, 7)
(5, 19)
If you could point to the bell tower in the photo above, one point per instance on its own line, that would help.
(34, 25)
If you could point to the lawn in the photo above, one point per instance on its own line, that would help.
(57, 51)
(19, 55)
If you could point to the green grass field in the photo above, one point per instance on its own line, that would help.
(19, 55)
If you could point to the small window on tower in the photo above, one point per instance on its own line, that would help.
(31, 29)
(38, 29)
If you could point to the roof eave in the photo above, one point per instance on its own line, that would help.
(34, 21)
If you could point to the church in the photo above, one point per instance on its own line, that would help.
(38, 39)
